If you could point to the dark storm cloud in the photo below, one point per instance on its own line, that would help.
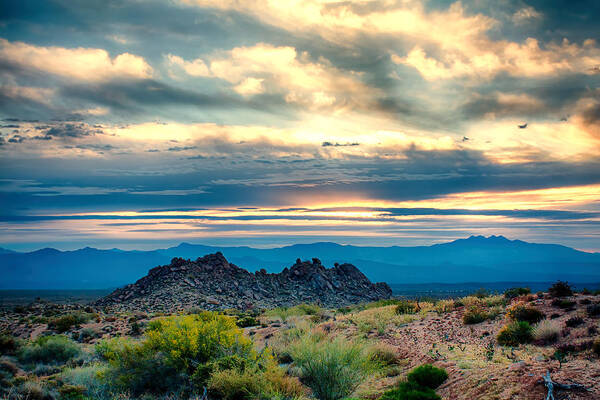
(181, 148)
(336, 144)
(555, 97)
(72, 131)
(16, 139)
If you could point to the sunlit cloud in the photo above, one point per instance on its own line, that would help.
(85, 64)
(265, 68)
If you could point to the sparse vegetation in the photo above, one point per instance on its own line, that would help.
(66, 322)
(315, 353)
(474, 315)
(560, 289)
(406, 307)
(516, 292)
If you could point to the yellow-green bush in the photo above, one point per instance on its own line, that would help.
(261, 381)
(515, 333)
(179, 352)
(524, 312)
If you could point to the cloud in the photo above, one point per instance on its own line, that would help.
(264, 68)
(336, 144)
(526, 15)
(72, 130)
(490, 58)
(83, 64)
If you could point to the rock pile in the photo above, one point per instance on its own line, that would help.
(212, 283)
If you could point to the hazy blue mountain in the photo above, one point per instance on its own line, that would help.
(475, 259)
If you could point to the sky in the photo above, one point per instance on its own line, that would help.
(144, 123)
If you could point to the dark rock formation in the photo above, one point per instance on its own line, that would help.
(211, 282)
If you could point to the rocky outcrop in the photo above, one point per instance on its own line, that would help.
(211, 282)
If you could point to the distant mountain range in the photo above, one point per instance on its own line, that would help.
(475, 259)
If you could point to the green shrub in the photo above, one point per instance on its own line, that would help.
(406, 307)
(264, 382)
(420, 384)
(246, 321)
(560, 289)
(332, 368)
(516, 292)
(66, 322)
(89, 377)
(55, 349)
(428, 376)
(9, 344)
(474, 315)
(515, 333)
(410, 391)
(177, 352)
(88, 334)
(524, 312)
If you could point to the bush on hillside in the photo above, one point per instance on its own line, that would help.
(179, 352)
(524, 312)
(66, 322)
(332, 368)
(406, 307)
(428, 376)
(266, 382)
(474, 315)
(9, 345)
(419, 385)
(516, 292)
(55, 349)
(560, 289)
(410, 391)
(515, 333)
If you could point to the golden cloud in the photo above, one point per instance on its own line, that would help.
(264, 68)
(84, 64)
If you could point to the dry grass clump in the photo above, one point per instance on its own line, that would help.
(379, 319)
(546, 331)
(333, 367)
(444, 306)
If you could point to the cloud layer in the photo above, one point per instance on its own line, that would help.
(400, 121)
